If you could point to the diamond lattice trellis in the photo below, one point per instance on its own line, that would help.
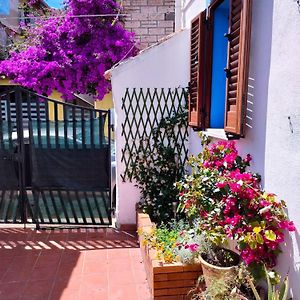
(144, 109)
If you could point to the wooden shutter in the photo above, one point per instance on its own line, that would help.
(238, 65)
(198, 35)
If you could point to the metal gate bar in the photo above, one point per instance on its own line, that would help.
(62, 139)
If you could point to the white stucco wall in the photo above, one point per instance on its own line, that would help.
(273, 97)
(163, 66)
(274, 88)
(282, 158)
(190, 9)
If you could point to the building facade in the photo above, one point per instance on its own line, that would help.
(271, 107)
(151, 20)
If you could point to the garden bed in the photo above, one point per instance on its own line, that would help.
(166, 281)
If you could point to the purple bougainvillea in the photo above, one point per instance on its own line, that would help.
(70, 54)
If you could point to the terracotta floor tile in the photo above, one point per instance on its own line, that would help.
(66, 294)
(118, 253)
(16, 276)
(94, 293)
(143, 291)
(96, 255)
(126, 292)
(48, 259)
(11, 291)
(5, 264)
(95, 266)
(134, 252)
(66, 288)
(85, 264)
(119, 265)
(124, 277)
(43, 273)
(70, 268)
(94, 280)
(139, 276)
(70, 256)
(37, 290)
(25, 261)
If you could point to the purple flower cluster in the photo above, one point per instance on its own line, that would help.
(70, 54)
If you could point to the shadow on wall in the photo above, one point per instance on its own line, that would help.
(287, 263)
(258, 82)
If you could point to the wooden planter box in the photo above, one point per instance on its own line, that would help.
(166, 281)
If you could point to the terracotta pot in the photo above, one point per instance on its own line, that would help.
(211, 272)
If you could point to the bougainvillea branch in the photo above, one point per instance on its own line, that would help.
(229, 203)
(70, 54)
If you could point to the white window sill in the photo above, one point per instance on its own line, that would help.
(215, 133)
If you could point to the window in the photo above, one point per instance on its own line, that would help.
(220, 43)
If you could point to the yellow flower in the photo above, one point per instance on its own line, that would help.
(140, 231)
(257, 229)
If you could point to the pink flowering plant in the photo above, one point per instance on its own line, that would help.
(230, 204)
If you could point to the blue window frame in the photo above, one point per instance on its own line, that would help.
(219, 62)
(4, 7)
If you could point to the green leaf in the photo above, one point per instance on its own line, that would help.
(269, 284)
(259, 239)
(283, 294)
(270, 235)
(253, 244)
(254, 290)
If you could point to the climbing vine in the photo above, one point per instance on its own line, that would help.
(156, 169)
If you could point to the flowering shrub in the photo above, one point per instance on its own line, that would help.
(230, 203)
(69, 53)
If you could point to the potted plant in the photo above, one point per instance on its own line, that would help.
(217, 262)
(168, 274)
(193, 246)
(230, 205)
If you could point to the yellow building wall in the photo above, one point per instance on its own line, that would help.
(5, 81)
(55, 95)
(105, 104)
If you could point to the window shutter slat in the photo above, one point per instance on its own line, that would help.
(196, 70)
(238, 65)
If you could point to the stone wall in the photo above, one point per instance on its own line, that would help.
(151, 20)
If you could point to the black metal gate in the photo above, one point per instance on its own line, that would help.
(55, 161)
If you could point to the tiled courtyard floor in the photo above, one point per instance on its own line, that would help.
(84, 264)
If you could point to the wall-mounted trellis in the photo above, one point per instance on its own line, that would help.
(144, 110)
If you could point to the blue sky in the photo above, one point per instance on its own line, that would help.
(54, 3)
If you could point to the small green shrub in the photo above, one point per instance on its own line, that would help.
(155, 171)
